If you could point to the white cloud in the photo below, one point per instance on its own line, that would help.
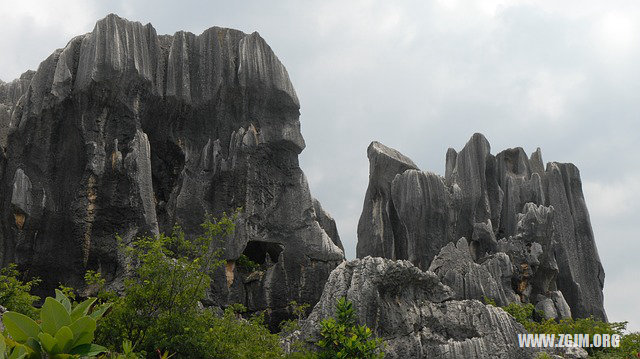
(613, 199)
(548, 94)
(33, 29)
(621, 299)
(615, 36)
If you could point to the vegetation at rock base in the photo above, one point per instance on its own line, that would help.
(526, 315)
(343, 338)
(14, 293)
(159, 314)
(160, 308)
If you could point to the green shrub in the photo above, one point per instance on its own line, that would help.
(629, 343)
(65, 330)
(524, 314)
(230, 336)
(291, 325)
(160, 305)
(343, 338)
(489, 301)
(14, 293)
(247, 264)
(160, 309)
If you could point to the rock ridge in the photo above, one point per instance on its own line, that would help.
(501, 226)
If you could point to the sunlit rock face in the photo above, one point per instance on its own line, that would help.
(500, 226)
(128, 132)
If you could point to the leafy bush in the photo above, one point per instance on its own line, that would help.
(230, 336)
(66, 329)
(247, 264)
(343, 338)
(160, 310)
(523, 314)
(160, 305)
(629, 343)
(291, 325)
(14, 293)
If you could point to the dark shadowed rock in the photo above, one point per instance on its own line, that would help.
(414, 313)
(126, 131)
(379, 214)
(503, 205)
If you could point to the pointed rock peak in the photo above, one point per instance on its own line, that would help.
(377, 149)
(451, 158)
(478, 139)
(115, 19)
(515, 161)
(536, 163)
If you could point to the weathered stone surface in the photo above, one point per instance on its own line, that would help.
(469, 280)
(424, 215)
(506, 203)
(532, 251)
(126, 131)
(580, 272)
(379, 214)
(327, 223)
(414, 313)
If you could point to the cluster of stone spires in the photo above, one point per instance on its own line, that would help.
(126, 131)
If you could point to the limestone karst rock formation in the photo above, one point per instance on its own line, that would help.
(126, 131)
(415, 314)
(501, 226)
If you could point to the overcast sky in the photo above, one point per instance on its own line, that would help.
(421, 77)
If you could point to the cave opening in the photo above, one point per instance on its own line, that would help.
(259, 252)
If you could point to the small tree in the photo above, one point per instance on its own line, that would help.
(343, 338)
(14, 293)
(170, 277)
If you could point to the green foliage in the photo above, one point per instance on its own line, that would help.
(160, 314)
(291, 325)
(343, 338)
(14, 293)
(65, 330)
(629, 343)
(229, 336)
(524, 314)
(96, 284)
(247, 264)
(161, 297)
(489, 301)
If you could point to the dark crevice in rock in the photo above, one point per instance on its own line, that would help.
(263, 252)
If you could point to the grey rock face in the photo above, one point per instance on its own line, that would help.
(414, 313)
(470, 280)
(327, 223)
(506, 204)
(126, 131)
(376, 236)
